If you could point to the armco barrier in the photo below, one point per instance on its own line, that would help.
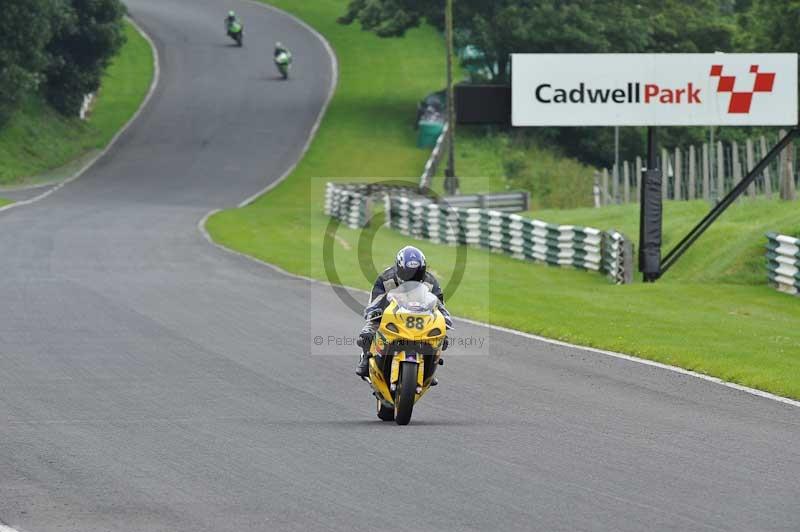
(523, 238)
(501, 201)
(433, 161)
(783, 262)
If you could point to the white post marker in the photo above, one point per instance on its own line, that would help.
(654, 89)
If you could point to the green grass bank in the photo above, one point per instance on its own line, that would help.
(491, 161)
(38, 140)
(713, 314)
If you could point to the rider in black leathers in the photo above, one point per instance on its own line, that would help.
(410, 265)
(230, 19)
(280, 49)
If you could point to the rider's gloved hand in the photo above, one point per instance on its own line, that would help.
(365, 340)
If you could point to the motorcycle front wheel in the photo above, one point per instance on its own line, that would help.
(405, 393)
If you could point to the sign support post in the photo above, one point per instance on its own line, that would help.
(650, 213)
(451, 180)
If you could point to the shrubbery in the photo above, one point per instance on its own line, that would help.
(554, 181)
(59, 47)
(25, 28)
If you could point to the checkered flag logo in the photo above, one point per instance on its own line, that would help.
(741, 101)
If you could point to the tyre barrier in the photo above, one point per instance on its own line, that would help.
(352, 203)
(586, 248)
(783, 263)
(523, 238)
(617, 257)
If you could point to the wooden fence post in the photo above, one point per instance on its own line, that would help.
(615, 185)
(678, 173)
(783, 169)
(788, 191)
(638, 171)
(720, 170)
(604, 192)
(626, 182)
(790, 171)
(767, 177)
(706, 173)
(793, 155)
(692, 173)
(749, 153)
(664, 173)
(737, 169)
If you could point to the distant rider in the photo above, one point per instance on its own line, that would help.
(229, 20)
(410, 265)
(281, 49)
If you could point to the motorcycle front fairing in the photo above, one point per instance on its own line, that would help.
(411, 331)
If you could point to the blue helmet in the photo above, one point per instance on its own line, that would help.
(410, 264)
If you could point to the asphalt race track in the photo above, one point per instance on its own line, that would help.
(152, 382)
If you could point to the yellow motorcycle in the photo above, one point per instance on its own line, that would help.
(406, 350)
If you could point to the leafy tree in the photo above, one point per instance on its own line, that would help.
(500, 27)
(769, 26)
(25, 28)
(392, 18)
(89, 33)
(689, 27)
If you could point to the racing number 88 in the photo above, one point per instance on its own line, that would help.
(415, 323)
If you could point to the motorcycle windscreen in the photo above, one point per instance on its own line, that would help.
(414, 297)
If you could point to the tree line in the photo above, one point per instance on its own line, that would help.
(497, 28)
(56, 48)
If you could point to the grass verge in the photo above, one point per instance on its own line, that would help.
(37, 139)
(704, 316)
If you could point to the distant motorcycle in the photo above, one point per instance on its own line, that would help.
(236, 32)
(284, 63)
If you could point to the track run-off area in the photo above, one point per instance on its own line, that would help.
(152, 381)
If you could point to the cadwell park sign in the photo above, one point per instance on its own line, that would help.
(654, 89)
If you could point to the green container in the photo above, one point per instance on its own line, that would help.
(429, 133)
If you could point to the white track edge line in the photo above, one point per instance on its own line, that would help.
(646, 362)
(630, 358)
(332, 90)
(85, 168)
(153, 85)
(201, 225)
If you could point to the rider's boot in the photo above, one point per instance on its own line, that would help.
(362, 370)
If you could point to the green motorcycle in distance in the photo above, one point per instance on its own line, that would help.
(283, 61)
(236, 32)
